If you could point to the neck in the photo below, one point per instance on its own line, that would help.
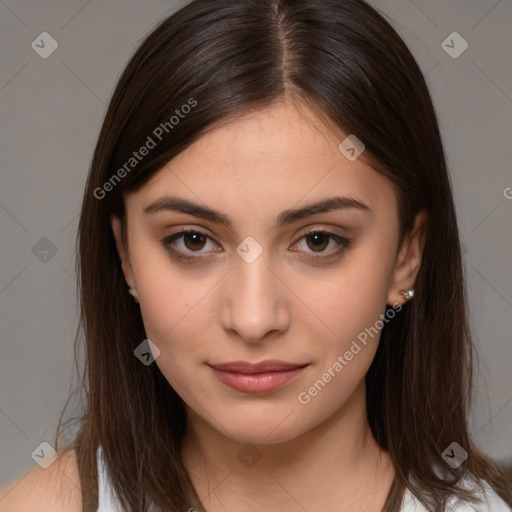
(337, 465)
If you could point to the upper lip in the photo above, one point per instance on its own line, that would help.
(262, 366)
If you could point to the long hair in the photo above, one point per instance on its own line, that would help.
(207, 63)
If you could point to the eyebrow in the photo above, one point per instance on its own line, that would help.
(181, 205)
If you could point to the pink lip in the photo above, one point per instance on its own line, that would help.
(271, 365)
(262, 377)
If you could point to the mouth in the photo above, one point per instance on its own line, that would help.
(263, 377)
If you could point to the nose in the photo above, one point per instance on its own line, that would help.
(256, 305)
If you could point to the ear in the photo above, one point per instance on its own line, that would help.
(116, 224)
(408, 260)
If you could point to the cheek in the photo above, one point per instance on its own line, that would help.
(352, 300)
(174, 318)
(174, 302)
(352, 306)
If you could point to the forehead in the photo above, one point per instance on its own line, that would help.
(275, 157)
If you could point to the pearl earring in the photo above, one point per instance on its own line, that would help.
(407, 294)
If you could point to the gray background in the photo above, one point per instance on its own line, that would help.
(51, 110)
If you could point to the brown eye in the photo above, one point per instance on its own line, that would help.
(319, 241)
(184, 244)
(194, 241)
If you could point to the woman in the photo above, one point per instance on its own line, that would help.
(269, 185)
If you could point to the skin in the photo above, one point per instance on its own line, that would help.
(285, 305)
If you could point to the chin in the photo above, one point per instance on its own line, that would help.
(260, 436)
(266, 429)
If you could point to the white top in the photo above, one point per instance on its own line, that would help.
(107, 502)
(492, 502)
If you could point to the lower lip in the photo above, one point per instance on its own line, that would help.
(264, 382)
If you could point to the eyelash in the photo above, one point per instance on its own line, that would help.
(168, 241)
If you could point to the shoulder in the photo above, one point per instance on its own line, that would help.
(54, 489)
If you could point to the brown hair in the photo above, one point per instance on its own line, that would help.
(223, 58)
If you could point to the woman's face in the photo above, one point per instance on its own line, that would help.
(253, 285)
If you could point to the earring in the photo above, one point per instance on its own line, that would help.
(131, 290)
(407, 294)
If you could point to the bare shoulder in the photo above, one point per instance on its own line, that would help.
(56, 488)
